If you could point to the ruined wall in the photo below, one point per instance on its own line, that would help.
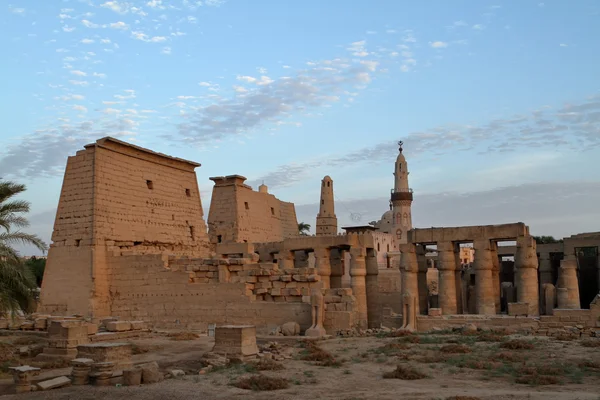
(240, 214)
(144, 287)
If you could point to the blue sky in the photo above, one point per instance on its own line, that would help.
(498, 102)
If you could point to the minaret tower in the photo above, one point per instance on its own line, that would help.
(326, 219)
(401, 200)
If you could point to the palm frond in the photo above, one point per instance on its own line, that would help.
(17, 285)
(9, 189)
(9, 221)
(18, 237)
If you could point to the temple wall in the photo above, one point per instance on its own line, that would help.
(144, 289)
(117, 199)
(67, 283)
(240, 214)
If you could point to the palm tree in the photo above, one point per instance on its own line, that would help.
(17, 283)
(303, 229)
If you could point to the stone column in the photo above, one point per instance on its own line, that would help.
(22, 377)
(372, 284)
(526, 278)
(323, 266)
(484, 288)
(422, 279)
(80, 375)
(496, 275)
(286, 259)
(102, 372)
(409, 285)
(358, 272)
(567, 292)
(447, 277)
(335, 261)
(545, 269)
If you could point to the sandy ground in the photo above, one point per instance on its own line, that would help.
(483, 373)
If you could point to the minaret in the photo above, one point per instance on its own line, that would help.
(401, 201)
(326, 219)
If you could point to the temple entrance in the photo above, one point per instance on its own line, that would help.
(587, 261)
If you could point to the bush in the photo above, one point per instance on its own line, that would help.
(323, 358)
(455, 349)
(183, 336)
(267, 364)
(262, 383)
(591, 343)
(536, 379)
(517, 344)
(405, 373)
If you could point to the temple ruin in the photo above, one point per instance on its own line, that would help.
(130, 242)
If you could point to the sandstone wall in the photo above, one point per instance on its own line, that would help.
(240, 214)
(117, 199)
(144, 288)
(67, 283)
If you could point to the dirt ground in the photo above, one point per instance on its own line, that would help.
(469, 366)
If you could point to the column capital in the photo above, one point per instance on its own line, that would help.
(446, 246)
(322, 252)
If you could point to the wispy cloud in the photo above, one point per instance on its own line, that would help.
(438, 45)
(574, 126)
(275, 99)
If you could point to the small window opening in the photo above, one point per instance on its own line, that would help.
(77, 242)
(378, 247)
(219, 238)
(150, 185)
(328, 184)
(388, 248)
(188, 193)
(272, 211)
(322, 201)
(246, 205)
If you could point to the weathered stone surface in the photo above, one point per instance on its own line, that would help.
(290, 329)
(54, 383)
(236, 341)
(151, 373)
(138, 325)
(118, 326)
(132, 376)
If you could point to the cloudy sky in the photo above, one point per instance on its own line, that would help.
(498, 102)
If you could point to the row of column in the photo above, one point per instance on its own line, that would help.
(363, 274)
(487, 276)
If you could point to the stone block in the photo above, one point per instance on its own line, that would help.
(54, 383)
(138, 325)
(132, 376)
(92, 329)
(117, 353)
(235, 341)
(434, 312)
(518, 309)
(118, 326)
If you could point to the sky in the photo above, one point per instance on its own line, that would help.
(497, 102)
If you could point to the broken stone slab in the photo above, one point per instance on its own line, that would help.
(290, 329)
(54, 383)
(176, 373)
(132, 376)
(118, 326)
(151, 373)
